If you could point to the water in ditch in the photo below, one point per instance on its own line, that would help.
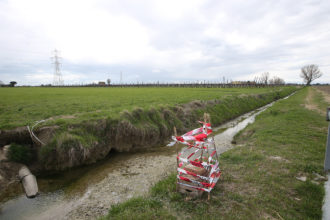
(89, 192)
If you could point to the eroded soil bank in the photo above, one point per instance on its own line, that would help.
(116, 180)
(71, 145)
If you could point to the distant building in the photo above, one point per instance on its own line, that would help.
(101, 83)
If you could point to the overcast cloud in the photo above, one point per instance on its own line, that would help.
(167, 41)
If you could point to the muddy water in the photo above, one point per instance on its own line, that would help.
(88, 192)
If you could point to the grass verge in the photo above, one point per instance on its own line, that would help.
(261, 175)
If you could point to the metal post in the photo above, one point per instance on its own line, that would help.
(327, 152)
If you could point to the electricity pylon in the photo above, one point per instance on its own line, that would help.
(58, 81)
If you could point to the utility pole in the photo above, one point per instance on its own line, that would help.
(58, 81)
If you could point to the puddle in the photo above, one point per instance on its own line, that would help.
(95, 188)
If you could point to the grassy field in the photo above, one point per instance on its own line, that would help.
(260, 177)
(22, 106)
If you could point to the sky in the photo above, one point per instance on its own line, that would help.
(165, 41)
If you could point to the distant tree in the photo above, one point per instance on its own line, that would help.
(276, 81)
(12, 83)
(309, 73)
(108, 82)
(256, 80)
(264, 78)
(1, 83)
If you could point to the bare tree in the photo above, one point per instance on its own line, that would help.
(309, 73)
(276, 81)
(257, 80)
(108, 82)
(264, 78)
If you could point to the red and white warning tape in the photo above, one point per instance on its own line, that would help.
(198, 139)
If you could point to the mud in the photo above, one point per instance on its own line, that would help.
(8, 177)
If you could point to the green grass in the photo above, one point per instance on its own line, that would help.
(20, 153)
(259, 175)
(22, 106)
(142, 208)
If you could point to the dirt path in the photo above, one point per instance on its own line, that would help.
(309, 103)
(325, 90)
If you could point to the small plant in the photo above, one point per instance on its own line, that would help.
(20, 153)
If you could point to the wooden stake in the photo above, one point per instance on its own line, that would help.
(177, 153)
(215, 148)
(207, 120)
(176, 146)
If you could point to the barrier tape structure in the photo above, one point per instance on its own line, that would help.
(200, 154)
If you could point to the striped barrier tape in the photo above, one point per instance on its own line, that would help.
(209, 189)
(198, 145)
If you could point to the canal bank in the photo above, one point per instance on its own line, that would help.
(113, 181)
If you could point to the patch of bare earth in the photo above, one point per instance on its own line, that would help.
(278, 158)
(267, 216)
(309, 103)
(325, 90)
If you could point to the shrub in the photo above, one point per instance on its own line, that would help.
(20, 153)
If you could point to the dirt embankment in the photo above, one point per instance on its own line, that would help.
(9, 169)
(87, 142)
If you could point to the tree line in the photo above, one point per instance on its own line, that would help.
(308, 73)
(11, 84)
